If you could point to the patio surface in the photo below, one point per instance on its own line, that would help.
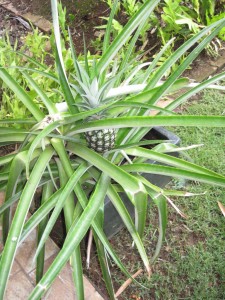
(22, 277)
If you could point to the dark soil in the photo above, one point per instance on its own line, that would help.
(79, 8)
(11, 26)
(82, 16)
(4, 150)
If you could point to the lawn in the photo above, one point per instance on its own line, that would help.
(191, 264)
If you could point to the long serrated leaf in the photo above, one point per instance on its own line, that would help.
(103, 260)
(46, 73)
(121, 209)
(18, 121)
(162, 209)
(156, 59)
(128, 104)
(129, 183)
(16, 168)
(150, 121)
(68, 210)
(106, 40)
(39, 215)
(74, 57)
(21, 94)
(173, 172)
(47, 102)
(183, 66)
(183, 98)
(84, 201)
(182, 50)
(59, 60)
(145, 97)
(19, 218)
(73, 238)
(170, 160)
(60, 203)
(125, 34)
(46, 194)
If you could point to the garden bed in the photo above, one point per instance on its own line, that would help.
(83, 17)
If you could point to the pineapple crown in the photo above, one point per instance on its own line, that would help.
(88, 86)
(91, 93)
(94, 88)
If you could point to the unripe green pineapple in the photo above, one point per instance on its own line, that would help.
(92, 97)
(101, 140)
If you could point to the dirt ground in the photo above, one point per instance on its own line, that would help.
(10, 25)
(82, 16)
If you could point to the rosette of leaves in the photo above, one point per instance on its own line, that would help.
(54, 156)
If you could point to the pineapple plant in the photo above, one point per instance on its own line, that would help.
(52, 156)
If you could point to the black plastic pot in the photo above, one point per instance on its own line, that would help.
(113, 223)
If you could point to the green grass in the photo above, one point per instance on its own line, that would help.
(191, 264)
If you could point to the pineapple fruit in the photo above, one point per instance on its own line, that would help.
(100, 140)
(92, 97)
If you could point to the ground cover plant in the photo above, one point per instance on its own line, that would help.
(89, 145)
(172, 19)
(33, 46)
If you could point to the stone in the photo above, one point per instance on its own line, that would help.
(44, 25)
(32, 18)
(15, 268)
(26, 251)
(37, 20)
(63, 286)
(19, 287)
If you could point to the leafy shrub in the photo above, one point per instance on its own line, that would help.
(178, 19)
